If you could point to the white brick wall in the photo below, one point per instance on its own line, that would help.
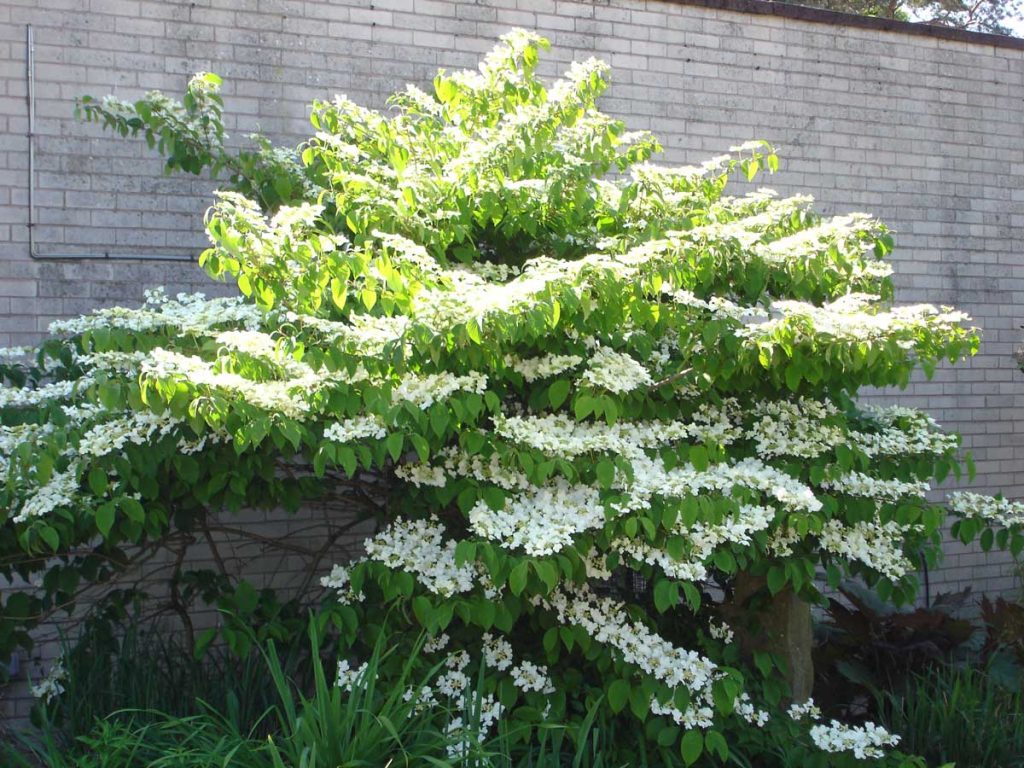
(927, 133)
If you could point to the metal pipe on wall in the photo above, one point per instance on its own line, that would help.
(33, 252)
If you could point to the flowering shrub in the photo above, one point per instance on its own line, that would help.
(595, 395)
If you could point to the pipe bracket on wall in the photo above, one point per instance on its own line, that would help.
(33, 249)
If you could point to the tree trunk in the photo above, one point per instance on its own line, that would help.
(779, 624)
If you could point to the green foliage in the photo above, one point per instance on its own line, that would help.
(190, 135)
(582, 394)
(367, 724)
(974, 15)
(866, 646)
(147, 669)
(958, 715)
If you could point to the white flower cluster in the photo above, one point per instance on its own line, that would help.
(424, 391)
(606, 621)
(189, 313)
(454, 681)
(596, 565)
(879, 546)
(422, 474)
(419, 547)
(721, 632)
(782, 540)
(458, 463)
(745, 708)
(541, 521)
(288, 397)
(800, 245)
(651, 478)
(15, 354)
(615, 371)
(253, 343)
(356, 428)
(59, 491)
(347, 677)
(851, 319)
(137, 429)
(904, 431)
(527, 676)
(718, 306)
(339, 580)
(786, 428)
(497, 652)
(865, 742)
(975, 505)
(859, 484)
(703, 541)
(436, 644)
(809, 709)
(51, 686)
(560, 435)
(30, 397)
(546, 366)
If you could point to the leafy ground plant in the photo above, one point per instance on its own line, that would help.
(958, 715)
(577, 389)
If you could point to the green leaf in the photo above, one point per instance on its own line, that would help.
(548, 573)
(394, 445)
(618, 695)
(50, 536)
(715, 742)
(605, 472)
(439, 419)
(691, 746)
(98, 481)
(494, 496)
(517, 579)
(558, 392)
(666, 595)
(699, 457)
(421, 446)
(105, 518)
(639, 702)
(339, 292)
(132, 509)
(776, 579)
(793, 377)
(423, 610)
(583, 407)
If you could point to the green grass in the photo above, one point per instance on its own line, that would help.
(958, 715)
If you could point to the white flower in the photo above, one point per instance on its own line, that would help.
(864, 742)
(878, 546)
(541, 521)
(721, 632)
(347, 677)
(542, 367)
(435, 644)
(59, 491)
(784, 428)
(999, 511)
(425, 390)
(527, 676)
(615, 371)
(859, 484)
(809, 709)
(51, 686)
(419, 547)
(497, 652)
(355, 429)
(745, 709)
